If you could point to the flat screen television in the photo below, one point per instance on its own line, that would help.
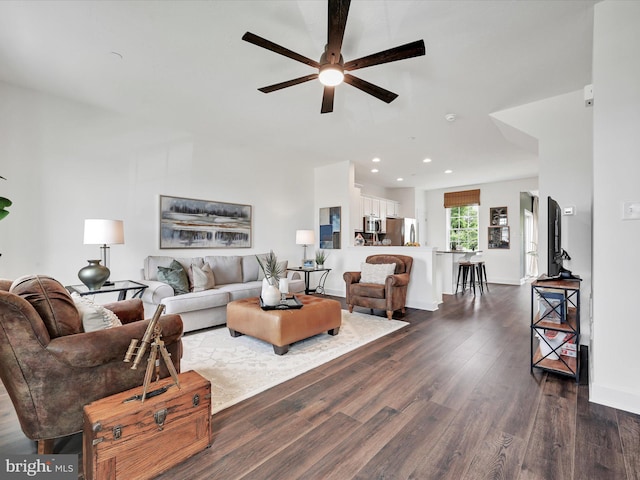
(554, 239)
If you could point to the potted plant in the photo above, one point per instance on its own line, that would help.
(321, 257)
(272, 272)
(4, 203)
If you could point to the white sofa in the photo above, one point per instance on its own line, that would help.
(236, 277)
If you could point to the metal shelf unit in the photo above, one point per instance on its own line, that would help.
(555, 307)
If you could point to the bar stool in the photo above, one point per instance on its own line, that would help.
(481, 271)
(466, 269)
(482, 276)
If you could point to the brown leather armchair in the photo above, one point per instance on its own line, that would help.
(51, 368)
(390, 296)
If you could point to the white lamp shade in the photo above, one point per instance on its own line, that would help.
(103, 232)
(305, 237)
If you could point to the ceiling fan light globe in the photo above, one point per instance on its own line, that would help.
(330, 76)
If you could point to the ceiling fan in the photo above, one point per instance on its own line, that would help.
(331, 67)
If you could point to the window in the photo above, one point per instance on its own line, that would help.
(462, 227)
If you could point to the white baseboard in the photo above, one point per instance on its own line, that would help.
(627, 401)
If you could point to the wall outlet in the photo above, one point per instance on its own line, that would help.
(588, 96)
(631, 211)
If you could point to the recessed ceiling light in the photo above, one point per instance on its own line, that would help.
(376, 160)
(450, 117)
(400, 179)
(374, 170)
(448, 171)
(426, 160)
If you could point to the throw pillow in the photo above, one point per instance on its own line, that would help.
(202, 278)
(94, 317)
(176, 276)
(376, 272)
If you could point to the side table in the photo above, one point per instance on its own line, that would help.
(120, 286)
(307, 273)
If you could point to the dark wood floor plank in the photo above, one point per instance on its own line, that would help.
(293, 463)
(455, 392)
(499, 456)
(397, 459)
(551, 447)
(630, 437)
(515, 402)
(451, 456)
(352, 452)
(596, 424)
(597, 462)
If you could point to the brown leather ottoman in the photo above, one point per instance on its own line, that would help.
(281, 328)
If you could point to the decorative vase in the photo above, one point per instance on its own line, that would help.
(270, 293)
(94, 275)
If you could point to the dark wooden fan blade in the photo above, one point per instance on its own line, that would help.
(378, 92)
(327, 100)
(274, 47)
(337, 21)
(288, 83)
(413, 49)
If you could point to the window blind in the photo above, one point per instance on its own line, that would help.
(462, 199)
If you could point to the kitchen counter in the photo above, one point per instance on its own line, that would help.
(447, 267)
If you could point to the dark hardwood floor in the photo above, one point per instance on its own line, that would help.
(450, 396)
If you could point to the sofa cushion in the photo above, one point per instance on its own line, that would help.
(367, 290)
(194, 301)
(176, 276)
(152, 262)
(237, 291)
(226, 269)
(376, 273)
(52, 302)
(202, 278)
(94, 317)
(250, 268)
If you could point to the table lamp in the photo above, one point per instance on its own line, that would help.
(105, 233)
(304, 238)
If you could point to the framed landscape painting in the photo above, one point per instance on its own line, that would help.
(191, 223)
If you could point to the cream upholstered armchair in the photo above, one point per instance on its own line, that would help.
(51, 367)
(382, 283)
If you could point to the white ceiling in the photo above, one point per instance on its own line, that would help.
(183, 63)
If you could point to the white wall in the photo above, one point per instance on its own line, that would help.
(503, 265)
(563, 127)
(615, 373)
(65, 162)
(333, 188)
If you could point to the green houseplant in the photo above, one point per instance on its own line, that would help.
(321, 257)
(271, 268)
(4, 203)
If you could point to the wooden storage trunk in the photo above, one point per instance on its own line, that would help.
(134, 440)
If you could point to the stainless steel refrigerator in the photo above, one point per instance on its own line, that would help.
(401, 230)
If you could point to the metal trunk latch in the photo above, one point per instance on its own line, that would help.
(160, 416)
(196, 400)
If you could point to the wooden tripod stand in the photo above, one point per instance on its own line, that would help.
(152, 339)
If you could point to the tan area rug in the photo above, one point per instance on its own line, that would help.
(241, 367)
